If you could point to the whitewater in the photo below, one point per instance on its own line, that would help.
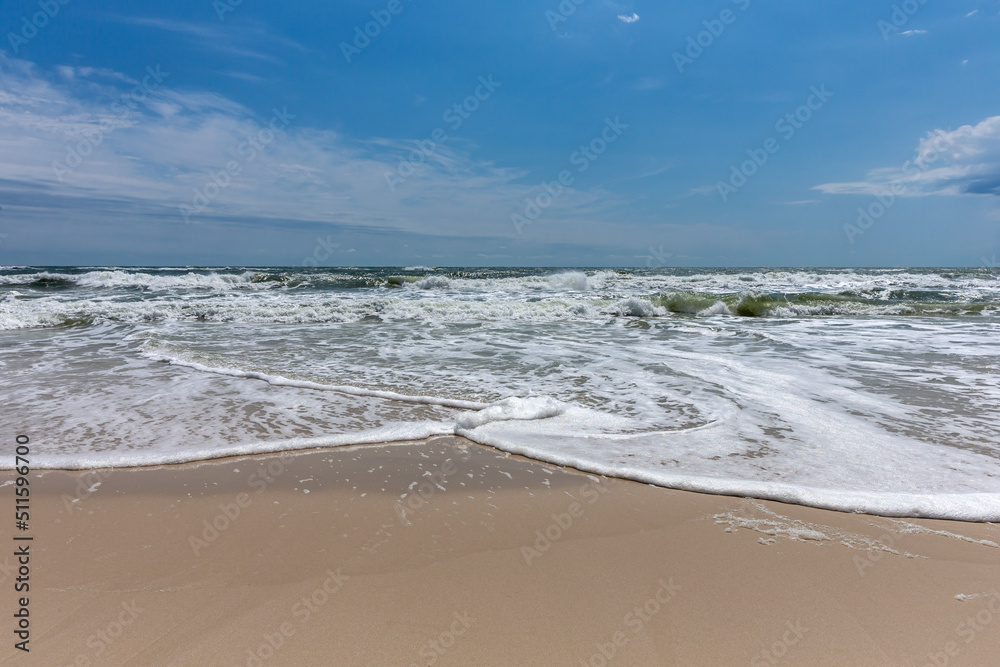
(870, 390)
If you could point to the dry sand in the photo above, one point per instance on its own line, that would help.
(489, 559)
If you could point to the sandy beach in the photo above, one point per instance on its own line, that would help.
(446, 552)
(565, 334)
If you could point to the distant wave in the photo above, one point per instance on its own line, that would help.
(855, 389)
(36, 297)
(812, 304)
(16, 313)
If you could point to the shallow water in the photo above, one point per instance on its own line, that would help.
(872, 390)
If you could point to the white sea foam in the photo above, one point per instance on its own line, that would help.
(137, 279)
(278, 381)
(286, 297)
(433, 282)
(847, 402)
(509, 409)
(285, 308)
(875, 284)
(636, 307)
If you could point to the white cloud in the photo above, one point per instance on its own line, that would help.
(628, 18)
(153, 160)
(702, 190)
(651, 83)
(965, 161)
(911, 33)
(240, 40)
(242, 76)
(646, 174)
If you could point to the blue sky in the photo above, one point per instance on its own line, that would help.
(689, 134)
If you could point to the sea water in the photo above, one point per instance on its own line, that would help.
(874, 390)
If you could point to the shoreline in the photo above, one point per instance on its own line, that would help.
(447, 551)
(943, 507)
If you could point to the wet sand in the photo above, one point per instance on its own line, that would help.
(448, 553)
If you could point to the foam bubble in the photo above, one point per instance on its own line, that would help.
(522, 409)
(856, 390)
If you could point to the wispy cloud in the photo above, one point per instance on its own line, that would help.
(965, 161)
(242, 40)
(701, 190)
(153, 162)
(913, 33)
(646, 174)
(70, 72)
(242, 76)
(628, 18)
(651, 83)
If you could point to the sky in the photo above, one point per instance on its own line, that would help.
(515, 133)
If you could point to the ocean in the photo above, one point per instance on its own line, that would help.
(869, 390)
